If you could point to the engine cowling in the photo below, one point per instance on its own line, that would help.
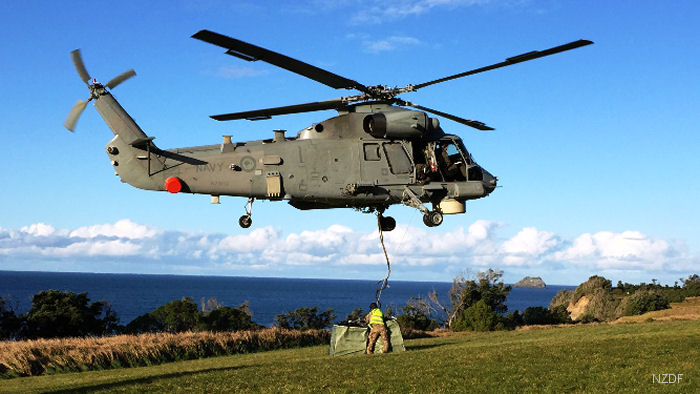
(397, 124)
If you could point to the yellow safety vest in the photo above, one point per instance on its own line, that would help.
(376, 317)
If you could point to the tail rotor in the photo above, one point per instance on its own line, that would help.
(96, 88)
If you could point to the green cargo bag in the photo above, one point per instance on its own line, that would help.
(352, 340)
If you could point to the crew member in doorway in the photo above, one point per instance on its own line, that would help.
(375, 318)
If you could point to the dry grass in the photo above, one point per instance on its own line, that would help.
(46, 356)
(689, 309)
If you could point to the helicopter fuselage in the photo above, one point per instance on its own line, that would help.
(370, 157)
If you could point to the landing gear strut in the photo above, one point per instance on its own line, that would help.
(430, 218)
(245, 221)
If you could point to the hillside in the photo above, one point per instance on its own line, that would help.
(598, 358)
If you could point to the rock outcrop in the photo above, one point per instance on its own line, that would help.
(530, 282)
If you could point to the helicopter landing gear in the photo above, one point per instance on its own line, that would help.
(246, 220)
(432, 218)
(387, 223)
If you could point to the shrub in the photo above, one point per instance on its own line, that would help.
(225, 318)
(478, 317)
(175, 316)
(56, 314)
(305, 319)
(355, 318)
(602, 305)
(467, 293)
(414, 318)
(644, 301)
(10, 324)
(539, 315)
(590, 286)
(562, 298)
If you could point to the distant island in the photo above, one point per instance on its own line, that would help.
(530, 282)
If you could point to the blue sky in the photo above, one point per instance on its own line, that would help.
(596, 148)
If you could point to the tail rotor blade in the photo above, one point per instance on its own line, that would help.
(120, 78)
(80, 66)
(74, 114)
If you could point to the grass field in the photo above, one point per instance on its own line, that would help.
(594, 358)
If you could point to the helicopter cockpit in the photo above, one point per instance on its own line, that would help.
(445, 160)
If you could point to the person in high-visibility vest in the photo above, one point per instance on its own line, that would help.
(375, 318)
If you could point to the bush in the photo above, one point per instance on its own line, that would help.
(413, 318)
(562, 298)
(10, 324)
(603, 305)
(305, 319)
(644, 301)
(175, 316)
(56, 314)
(356, 318)
(225, 318)
(538, 315)
(479, 317)
(487, 289)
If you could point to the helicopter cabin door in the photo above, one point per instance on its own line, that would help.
(385, 163)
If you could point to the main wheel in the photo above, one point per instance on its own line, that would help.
(432, 218)
(245, 221)
(388, 223)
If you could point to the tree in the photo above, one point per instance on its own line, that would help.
(64, 314)
(465, 293)
(175, 316)
(178, 315)
(478, 317)
(644, 301)
(414, 316)
(538, 315)
(225, 318)
(10, 324)
(305, 319)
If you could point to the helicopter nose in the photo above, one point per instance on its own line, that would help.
(489, 181)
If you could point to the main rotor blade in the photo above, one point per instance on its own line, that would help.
(267, 113)
(252, 52)
(74, 114)
(511, 60)
(471, 123)
(80, 66)
(120, 78)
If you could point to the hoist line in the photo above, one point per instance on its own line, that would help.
(382, 284)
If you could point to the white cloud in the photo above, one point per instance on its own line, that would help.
(626, 250)
(376, 13)
(530, 242)
(38, 229)
(340, 249)
(124, 228)
(389, 44)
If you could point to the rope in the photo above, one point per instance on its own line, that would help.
(382, 284)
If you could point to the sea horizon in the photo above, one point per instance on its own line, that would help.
(131, 295)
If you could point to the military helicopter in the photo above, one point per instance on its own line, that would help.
(377, 152)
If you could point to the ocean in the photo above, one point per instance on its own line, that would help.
(132, 295)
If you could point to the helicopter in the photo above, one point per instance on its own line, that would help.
(379, 150)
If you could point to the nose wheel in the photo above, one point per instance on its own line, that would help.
(246, 220)
(432, 218)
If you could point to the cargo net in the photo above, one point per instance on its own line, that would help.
(384, 283)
